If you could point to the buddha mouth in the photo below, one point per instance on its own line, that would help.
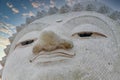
(53, 56)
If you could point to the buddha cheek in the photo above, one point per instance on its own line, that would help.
(19, 57)
(100, 49)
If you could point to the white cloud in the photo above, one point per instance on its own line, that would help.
(46, 7)
(28, 14)
(71, 2)
(2, 54)
(10, 5)
(52, 3)
(24, 7)
(87, 0)
(3, 42)
(6, 17)
(15, 10)
(6, 31)
(36, 4)
(43, 4)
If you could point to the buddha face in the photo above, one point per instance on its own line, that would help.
(63, 52)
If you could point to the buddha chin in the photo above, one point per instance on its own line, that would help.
(53, 72)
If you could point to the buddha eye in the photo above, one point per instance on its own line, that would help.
(85, 34)
(89, 35)
(27, 42)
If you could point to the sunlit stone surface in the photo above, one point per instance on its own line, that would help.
(71, 46)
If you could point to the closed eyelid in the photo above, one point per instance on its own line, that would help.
(29, 41)
(90, 33)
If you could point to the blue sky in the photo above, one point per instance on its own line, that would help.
(115, 4)
(15, 11)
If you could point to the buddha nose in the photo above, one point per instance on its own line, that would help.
(49, 41)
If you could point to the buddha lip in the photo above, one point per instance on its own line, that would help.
(59, 52)
(64, 54)
(53, 54)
